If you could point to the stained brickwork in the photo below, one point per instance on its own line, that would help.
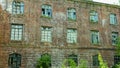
(31, 48)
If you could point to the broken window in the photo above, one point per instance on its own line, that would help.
(71, 14)
(114, 38)
(46, 11)
(93, 17)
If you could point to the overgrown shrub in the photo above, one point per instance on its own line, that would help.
(102, 63)
(83, 64)
(44, 61)
(69, 62)
(72, 64)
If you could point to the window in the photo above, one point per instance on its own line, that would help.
(95, 37)
(71, 14)
(46, 11)
(114, 38)
(46, 35)
(95, 60)
(16, 32)
(116, 59)
(93, 16)
(17, 7)
(71, 35)
(113, 19)
(14, 60)
(74, 58)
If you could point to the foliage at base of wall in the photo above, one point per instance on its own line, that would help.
(118, 46)
(72, 64)
(44, 61)
(116, 66)
(102, 63)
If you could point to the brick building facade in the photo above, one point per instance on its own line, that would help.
(60, 28)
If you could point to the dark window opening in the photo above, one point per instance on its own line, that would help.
(95, 60)
(14, 60)
(116, 59)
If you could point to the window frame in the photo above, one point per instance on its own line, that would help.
(116, 59)
(17, 7)
(71, 14)
(14, 60)
(115, 34)
(71, 36)
(113, 19)
(16, 33)
(94, 18)
(95, 60)
(95, 37)
(46, 34)
(46, 11)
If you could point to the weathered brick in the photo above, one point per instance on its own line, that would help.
(31, 47)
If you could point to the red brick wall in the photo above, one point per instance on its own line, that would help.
(31, 47)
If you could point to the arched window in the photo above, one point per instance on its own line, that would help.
(74, 58)
(17, 7)
(14, 60)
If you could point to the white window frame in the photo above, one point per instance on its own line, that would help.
(46, 10)
(71, 14)
(113, 19)
(17, 32)
(93, 16)
(95, 37)
(46, 34)
(17, 7)
(71, 35)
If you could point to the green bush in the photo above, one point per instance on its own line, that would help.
(72, 64)
(44, 61)
(83, 64)
(69, 62)
(102, 63)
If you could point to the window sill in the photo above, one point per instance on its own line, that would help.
(72, 43)
(17, 15)
(96, 44)
(74, 20)
(16, 41)
(47, 17)
(94, 22)
(113, 24)
(114, 44)
(46, 43)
